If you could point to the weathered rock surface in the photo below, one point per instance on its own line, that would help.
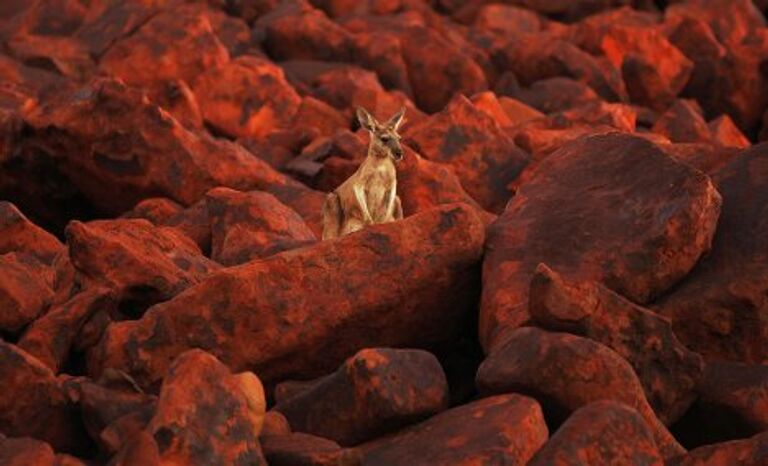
(667, 370)
(35, 404)
(565, 372)
(732, 404)
(253, 225)
(203, 415)
(374, 392)
(484, 157)
(747, 452)
(627, 229)
(19, 234)
(50, 337)
(25, 290)
(719, 310)
(142, 264)
(248, 96)
(106, 143)
(259, 315)
(308, 450)
(603, 432)
(505, 429)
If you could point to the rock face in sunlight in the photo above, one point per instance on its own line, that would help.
(579, 275)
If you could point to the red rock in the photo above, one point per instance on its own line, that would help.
(683, 122)
(654, 70)
(108, 22)
(533, 57)
(733, 84)
(25, 290)
(634, 253)
(117, 436)
(202, 408)
(603, 432)
(708, 158)
(718, 309)
(249, 10)
(731, 20)
(305, 449)
(374, 392)
(105, 148)
(488, 103)
(588, 33)
(234, 33)
(696, 40)
(748, 452)
(341, 8)
(541, 138)
(35, 404)
(507, 20)
(140, 450)
(725, 133)
(158, 210)
(66, 55)
(556, 94)
(437, 70)
(518, 112)
(484, 157)
(506, 429)
(667, 370)
(25, 451)
(440, 247)
(317, 114)
(275, 424)
(296, 30)
(50, 337)
(142, 264)
(63, 459)
(565, 373)
(176, 44)
(248, 96)
(620, 116)
(178, 99)
(102, 406)
(733, 404)
(19, 234)
(254, 225)
(349, 87)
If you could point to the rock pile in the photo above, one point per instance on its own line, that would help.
(581, 276)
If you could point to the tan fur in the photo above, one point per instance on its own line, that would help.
(369, 196)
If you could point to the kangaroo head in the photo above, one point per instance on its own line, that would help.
(385, 141)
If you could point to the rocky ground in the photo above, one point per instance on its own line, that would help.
(581, 277)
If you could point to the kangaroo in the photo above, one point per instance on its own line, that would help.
(370, 195)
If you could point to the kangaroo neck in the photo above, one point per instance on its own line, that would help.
(376, 156)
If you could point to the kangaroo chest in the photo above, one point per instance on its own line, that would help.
(379, 182)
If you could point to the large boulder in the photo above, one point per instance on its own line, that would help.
(25, 290)
(178, 43)
(301, 313)
(483, 156)
(51, 337)
(248, 96)
(204, 415)
(720, 309)
(613, 209)
(668, 371)
(35, 403)
(747, 452)
(373, 392)
(565, 372)
(19, 234)
(732, 404)
(141, 263)
(505, 429)
(105, 147)
(603, 432)
(253, 225)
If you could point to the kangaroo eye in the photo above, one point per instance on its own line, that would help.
(385, 139)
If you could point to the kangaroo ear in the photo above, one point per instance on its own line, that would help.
(396, 120)
(367, 121)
